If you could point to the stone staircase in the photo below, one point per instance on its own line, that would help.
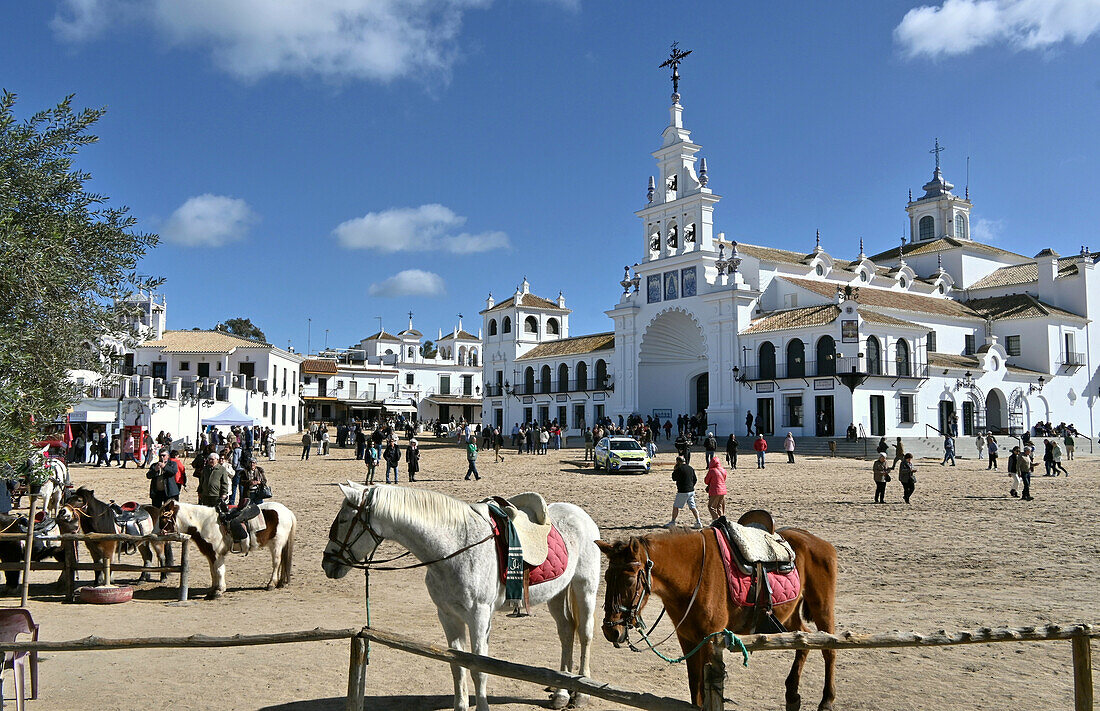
(854, 449)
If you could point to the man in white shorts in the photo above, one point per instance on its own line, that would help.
(685, 479)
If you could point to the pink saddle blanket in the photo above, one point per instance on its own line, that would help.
(557, 558)
(785, 586)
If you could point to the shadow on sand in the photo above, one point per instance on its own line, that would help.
(437, 702)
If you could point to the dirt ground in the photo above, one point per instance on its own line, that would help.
(963, 555)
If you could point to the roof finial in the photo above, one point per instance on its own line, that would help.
(937, 150)
(910, 194)
(939, 263)
(703, 179)
(652, 189)
(861, 254)
(411, 319)
(901, 252)
(674, 58)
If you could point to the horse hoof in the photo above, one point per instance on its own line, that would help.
(214, 595)
(560, 699)
(270, 586)
(794, 702)
(579, 701)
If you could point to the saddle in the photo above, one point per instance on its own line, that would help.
(241, 522)
(129, 517)
(759, 566)
(530, 517)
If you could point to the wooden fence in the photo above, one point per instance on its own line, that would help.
(69, 565)
(1079, 636)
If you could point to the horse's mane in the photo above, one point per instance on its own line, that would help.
(400, 503)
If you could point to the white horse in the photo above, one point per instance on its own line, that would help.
(466, 587)
(215, 542)
(53, 489)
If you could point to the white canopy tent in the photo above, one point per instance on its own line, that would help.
(228, 417)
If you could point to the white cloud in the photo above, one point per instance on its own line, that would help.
(413, 229)
(411, 282)
(208, 221)
(986, 230)
(959, 26)
(377, 40)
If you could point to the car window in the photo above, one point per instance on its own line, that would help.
(625, 444)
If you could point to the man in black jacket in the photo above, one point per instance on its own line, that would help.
(392, 456)
(685, 479)
(162, 480)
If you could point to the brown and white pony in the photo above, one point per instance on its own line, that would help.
(214, 541)
(674, 565)
(82, 508)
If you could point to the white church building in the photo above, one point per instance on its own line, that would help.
(897, 343)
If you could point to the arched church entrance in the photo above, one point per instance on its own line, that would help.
(996, 411)
(672, 366)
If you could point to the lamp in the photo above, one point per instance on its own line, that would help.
(966, 382)
(1035, 388)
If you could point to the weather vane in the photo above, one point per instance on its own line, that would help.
(674, 58)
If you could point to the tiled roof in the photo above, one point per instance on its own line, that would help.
(462, 336)
(943, 244)
(578, 345)
(383, 336)
(202, 342)
(1012, 306)
(1018, 370)
(872, 316)
(1023, 274)
(528, 301)
(902, 301)
(804, 317)
(950, 360)
(319, 365)
(771, 254)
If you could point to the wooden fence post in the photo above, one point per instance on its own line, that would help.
(357, 675)
(714, 678)
(70, 560)
(28, 551)
(1082, 673)
(185, 577)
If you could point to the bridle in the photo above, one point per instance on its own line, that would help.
(632, 615)
(362, 521)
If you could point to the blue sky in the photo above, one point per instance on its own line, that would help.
(301, 163)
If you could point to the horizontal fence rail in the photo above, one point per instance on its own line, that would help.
(1080, 636)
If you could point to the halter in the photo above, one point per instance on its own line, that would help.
(363, 514)
(633, 614)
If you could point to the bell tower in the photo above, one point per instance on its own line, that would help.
(679, 214)
(938, 213)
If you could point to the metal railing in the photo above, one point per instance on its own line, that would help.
(836, 366)
(550, 387)
(1072, 359)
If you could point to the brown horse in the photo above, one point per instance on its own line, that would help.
(674, 565)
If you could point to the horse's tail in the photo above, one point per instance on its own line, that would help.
(288, 552)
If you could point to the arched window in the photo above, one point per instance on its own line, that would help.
(765, 357)
(473, 356)
(826, 356)
(544, 379)
(531, 325)
(904, 367)
(563, 378)
(874, 356)
(492, 327)
(796, 359)
(529, 380)
(552, 326)
(507, 327)
(412, 352)
(601, 374)
(582, 376)
(462, 355)
(927, 227)
(960, 226)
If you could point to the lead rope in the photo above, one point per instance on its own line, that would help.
(366, 575)
(730, 641)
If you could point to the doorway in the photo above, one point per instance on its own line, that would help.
(878, 415)
(823, 415)
(947, 411)
(765, 415)
(702, 393)
(968, 419)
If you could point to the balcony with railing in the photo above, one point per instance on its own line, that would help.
(841, 365)
(550, 387)
(1071, 359)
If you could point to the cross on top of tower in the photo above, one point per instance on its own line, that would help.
(936, 151)
(675, 56)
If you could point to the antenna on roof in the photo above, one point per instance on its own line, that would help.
(380, 329)
(967, 193)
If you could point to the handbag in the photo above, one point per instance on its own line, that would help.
(264, 492)
(888, 478)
